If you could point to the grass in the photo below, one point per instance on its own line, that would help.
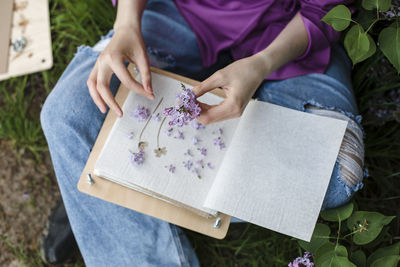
(83, 22)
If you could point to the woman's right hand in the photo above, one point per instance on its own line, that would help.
(126, 45)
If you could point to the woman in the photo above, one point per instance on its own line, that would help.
(276, 51)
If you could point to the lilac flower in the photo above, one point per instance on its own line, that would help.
(304, 261)
(219, 142)
(209, 165)
(171, 168)
(186, 110)
(201, 163)
(195, 140)
(130, 135)
(137, 158)
(197, 172)
(197, 125)
(156, 117)
(168, 131)
(180, 135)
(218, 131)
(26, 196)
(203, 151)
(188, 153)
(188, 164)
(140, 113)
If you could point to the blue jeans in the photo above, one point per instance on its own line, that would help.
(110, 235)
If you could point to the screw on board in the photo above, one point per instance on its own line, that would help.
(19, 44)
(217, 223)
(89, 179)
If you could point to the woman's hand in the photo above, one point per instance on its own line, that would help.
(126, 45)
(239, 81)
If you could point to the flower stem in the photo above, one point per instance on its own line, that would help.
(158, 134)
(148, 120)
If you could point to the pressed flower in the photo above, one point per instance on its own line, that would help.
(171, 168)
(188, 153)
(130, 135)
(197, 172)
(186, 110)
(201, 163)
(197, 125)
(168, 131)
(188, 164)
(156, 117)
(203, 151)
(140, 113)
(137, 158)
(219, 142)
(180, 135)
(195, 140)
(160, 151)
(209, 165)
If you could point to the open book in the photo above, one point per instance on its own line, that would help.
(270, 167)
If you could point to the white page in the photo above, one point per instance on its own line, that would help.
(277, 168)
(183, 185)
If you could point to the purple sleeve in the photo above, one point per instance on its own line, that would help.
(320, 35)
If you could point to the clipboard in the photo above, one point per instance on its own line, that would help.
(131, 199)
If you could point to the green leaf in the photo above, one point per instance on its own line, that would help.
(389, 43)
(338, 214)
(358, 258)
(382, 5)
(338, 261)
(359, 45)
(389, 261)
(319, 237)
(338, 17)
(368, 225)
(331, 255)
(393, 250)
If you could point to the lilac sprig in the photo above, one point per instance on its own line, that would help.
(186, 110)
(304, 261)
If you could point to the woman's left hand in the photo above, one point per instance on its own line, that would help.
(239, 81)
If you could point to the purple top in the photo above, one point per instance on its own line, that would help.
(247, 27)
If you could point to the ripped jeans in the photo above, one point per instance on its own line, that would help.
(110, 235)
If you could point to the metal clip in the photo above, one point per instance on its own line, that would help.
(217, 223)
(89, 179)
(19, 44)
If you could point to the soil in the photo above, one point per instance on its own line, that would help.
(28, 191)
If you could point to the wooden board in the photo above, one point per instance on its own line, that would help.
(6, 11)
(30, 20)
(134, 200)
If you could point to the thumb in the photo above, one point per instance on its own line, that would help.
(207, 85)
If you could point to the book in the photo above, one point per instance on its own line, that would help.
(272, 170)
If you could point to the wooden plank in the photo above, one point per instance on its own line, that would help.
(6, 11)
(140, 202)
(30, 20)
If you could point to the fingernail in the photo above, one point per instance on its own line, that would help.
(151, 97)
(119, 113)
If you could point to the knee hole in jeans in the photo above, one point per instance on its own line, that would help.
(351, 154)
